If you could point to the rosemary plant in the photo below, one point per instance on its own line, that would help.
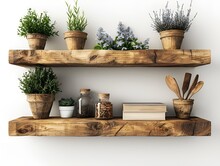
(39, 81)
(34, 23)
(76, 19)
(167, 19)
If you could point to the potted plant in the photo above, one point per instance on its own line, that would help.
(36, 28)
(66, 107)
(172, 25)
(125, 40)
(40, 85)
(75, 37)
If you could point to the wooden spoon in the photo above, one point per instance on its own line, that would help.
(186, 83)
(195, 81)
(172, 84)
(198, 86)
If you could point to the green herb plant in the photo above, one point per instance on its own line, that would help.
(34, 23)
(41, 80)
(76, 18)
(66, 102)
(167, 19)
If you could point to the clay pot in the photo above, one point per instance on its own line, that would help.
(75, 40)
(36, 41)
(172, 39)
(183, 108)
(40, 105)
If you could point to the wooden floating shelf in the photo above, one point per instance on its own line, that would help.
(54, 126)
(110, 58)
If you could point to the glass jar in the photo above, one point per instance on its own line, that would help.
(83, 104)
(103, 109)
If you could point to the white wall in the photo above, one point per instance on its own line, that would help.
(124, 84)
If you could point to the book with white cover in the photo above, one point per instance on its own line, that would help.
(144, 116)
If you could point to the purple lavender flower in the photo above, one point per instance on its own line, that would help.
(125, 40)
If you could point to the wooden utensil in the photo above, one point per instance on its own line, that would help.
(198, 86)
(186, 83)
(195, 81)
(172, 84)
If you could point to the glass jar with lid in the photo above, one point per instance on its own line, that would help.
(83, 104)
(103, 109)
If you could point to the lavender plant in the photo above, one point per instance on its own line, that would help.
(125, 40)
(167, 19)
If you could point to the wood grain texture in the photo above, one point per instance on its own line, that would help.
(110, 58)
(54, 126)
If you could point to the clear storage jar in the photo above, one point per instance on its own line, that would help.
(83, 104)
(103, 109)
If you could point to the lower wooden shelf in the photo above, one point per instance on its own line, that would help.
(55, 126)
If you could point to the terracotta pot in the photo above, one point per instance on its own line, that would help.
(36, 41)
(172, 39)
(183, 108)
(75, 40)
(40, 105)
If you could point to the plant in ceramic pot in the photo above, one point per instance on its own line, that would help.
(66, 107)
(125, 40)
(172, 24)
(40, 85)
(75, 37)
(36, 28)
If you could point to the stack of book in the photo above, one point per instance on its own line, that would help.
(144, 111)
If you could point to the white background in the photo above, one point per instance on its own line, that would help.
(124, 84)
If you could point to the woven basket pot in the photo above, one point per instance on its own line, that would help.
(40, 105)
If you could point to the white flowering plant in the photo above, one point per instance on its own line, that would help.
(125, 40)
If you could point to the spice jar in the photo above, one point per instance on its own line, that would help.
(103, 109)
(83, 104)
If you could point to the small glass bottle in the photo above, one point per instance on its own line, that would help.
(83, 104)
(103, 109)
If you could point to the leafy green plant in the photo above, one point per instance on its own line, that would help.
(76, 19)
(34, 23)
(167, 19)
(41, 80)
(66, 102)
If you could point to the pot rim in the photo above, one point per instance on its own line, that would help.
(36, 36)
(75, 33)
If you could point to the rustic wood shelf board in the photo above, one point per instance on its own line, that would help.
(110, 58)
(55, 126)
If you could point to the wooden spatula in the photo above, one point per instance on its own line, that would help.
(195, 81)
(186, 83)
(198, 86)
(172, 84)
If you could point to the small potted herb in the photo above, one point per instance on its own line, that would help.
(66, 107)
(36, 28)
(125, 40)
(75, 37)
(172, 25)
(40, 85)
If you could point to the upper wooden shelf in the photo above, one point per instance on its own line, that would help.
(27, 126)
(110, 58)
